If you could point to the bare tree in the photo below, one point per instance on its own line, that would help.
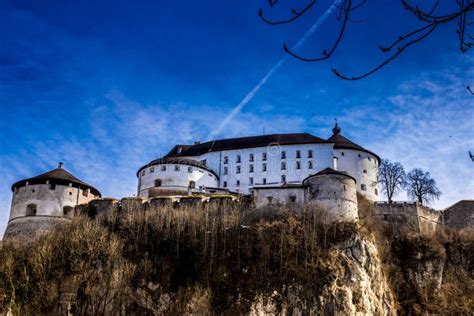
(431, 15)
(392, 177)
(421, 187)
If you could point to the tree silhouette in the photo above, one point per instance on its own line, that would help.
(392, 177)
(432, 17)
(421, 187)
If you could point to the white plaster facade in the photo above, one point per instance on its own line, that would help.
(176, 177)
(364, 167)
(245, 164)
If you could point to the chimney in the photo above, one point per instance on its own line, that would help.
(60, 165)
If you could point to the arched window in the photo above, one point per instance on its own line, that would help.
(31, 210)
(158, 183)
(192, 184)
(363, 187)
(68, 211)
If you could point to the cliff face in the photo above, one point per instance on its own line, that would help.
(357, 286)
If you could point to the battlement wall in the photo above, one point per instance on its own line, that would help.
(413, 215)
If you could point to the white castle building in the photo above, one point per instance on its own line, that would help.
(246, 164)
(285, 168)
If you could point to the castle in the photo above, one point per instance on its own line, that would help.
(278, 168)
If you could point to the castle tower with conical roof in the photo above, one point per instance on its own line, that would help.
(49, 197)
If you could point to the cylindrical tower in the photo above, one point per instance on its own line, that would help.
(358, 162)
(50, 196)
(335, 192)
(175, 176)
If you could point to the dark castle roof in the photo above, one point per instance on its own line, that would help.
(330, 171)
(57, 176)
(177, 161)
(244, 142)
(340, 142)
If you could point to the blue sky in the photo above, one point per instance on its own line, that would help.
(106, 86)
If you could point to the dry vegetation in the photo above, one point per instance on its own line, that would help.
(428, 274)
(213, 260)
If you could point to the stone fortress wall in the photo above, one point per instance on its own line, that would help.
(413, 215)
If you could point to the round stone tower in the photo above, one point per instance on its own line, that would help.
(335, 192)
(51, 196)
(174, 176)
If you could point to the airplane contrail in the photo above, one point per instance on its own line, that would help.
(254, 91)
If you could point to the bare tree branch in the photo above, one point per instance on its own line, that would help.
(430, 17)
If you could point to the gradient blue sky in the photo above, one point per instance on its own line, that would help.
(106, 86)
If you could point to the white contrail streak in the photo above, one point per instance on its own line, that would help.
(254, 91)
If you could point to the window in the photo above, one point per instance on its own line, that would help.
(370, 159)
(225, 184)
(238, 169)
(251, 181)
(85, 192)
(264, 181)
(298, 154)
(264, 167)
(204, 162)
(31, 210)
(67, 211)
(293, 199)
(283, 165)
(298, 165)
(163, 168)
(250, 168)
(226, 160)
(176, 168)
(238, 159)
(190, 169)
(264, 156)
(283, 154)
(226, 170)
(270, 199)
(158, 183)
(152, 169)
(251, 157)
(365, 171)
(283, 178)
(376, 192)
(192, 184)
(342, 154)
(363, 187)
(33, 191)
(52, 186)
(310, 164)
(310, 153)
(143, 172)
(237, 183)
